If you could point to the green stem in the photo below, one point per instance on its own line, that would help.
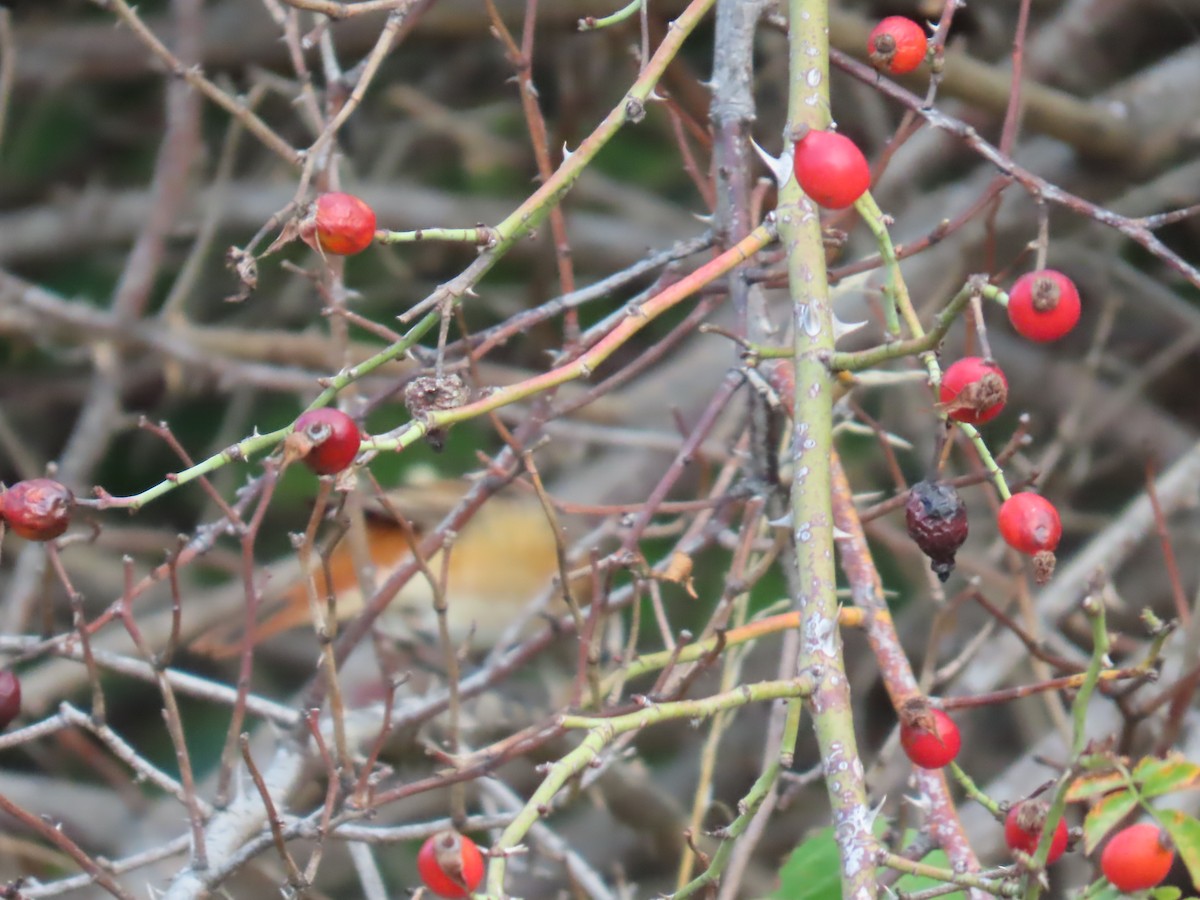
(1093, 607)
(896, 287)
(814, 580)
(243, 450)
(602, 731)
(748, 808)
(694, 709)
(972, 790)
(980, 882)
(856, 361)
(480, 235)
(590, 23)
(584, 365)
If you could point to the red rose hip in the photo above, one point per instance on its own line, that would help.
(1023, 828)
(897, 45)
(973, 390)
(450, 864)
(831, 169)
(38, 509)
(1043, 306)
(1029, 523)
(334, 439)
(929, 737)
(1136, 859)
(345, 225)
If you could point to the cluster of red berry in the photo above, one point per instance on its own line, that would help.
(1043, 306)
(1135, 858)
(829, 167)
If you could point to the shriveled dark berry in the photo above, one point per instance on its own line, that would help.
(937, 521)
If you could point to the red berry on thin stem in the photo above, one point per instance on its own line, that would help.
(1030, 524)
(450, 864)
(973, 390)
(1043, 306)
(38, 509)
(929, 737)
(345, 224)
(334, 439)
(831, 169)
(1023, 830)
(1137, 858)
(897, 45)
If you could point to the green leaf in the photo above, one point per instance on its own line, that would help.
(1166, 893)
(1162, 776)
(1185, 832)
(812, 871)
(1087, 786)
(1105, 816)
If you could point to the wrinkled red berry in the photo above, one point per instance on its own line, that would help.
(831, 169)
(1137, 858)
(929, 737)
(450, 864)
(937, 520)
(334, 437)
(38, 509)
(1043, 306)
(345, 224)
(1023, 830)
(974, 390)
(897, 45)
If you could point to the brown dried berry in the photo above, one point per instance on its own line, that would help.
(426, 394)
(937, 521)
(38, 509)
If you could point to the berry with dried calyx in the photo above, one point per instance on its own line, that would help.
(1137, 857)
(929, 737)
(897, 45)
(450, 864)
(1023, 828)
(1029, 523)
(38, 509)
(329, 440)
(345, 225)
(830, 169)
(1043, 306)
(973, 390)
(937, 521)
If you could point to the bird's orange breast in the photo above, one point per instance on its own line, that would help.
(503, 558)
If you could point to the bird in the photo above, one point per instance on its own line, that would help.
(502, 559)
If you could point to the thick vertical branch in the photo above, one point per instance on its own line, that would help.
(815, 595)
(894, 666)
